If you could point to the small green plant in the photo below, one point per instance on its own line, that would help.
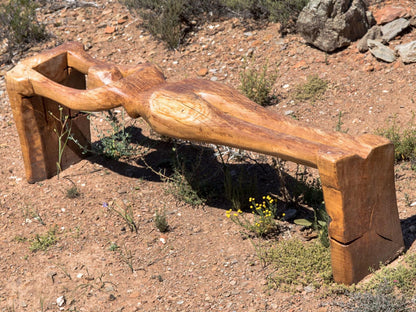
(29, 212)
(43, 242)
(20, 239)
(263, 223)
(404, 141)
(19, 26)
(161, 221)
(72, 192)
(257, 85)
(339, 124)
(297, 263)
(126, 214)
(313, 89)
(113, 246)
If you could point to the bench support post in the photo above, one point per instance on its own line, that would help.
(360, 199)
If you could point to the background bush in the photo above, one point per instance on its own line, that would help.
(19, 26)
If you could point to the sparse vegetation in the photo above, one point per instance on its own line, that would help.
(404, 140)
(161, 221)
(43, 242)
(19, 26)
(311, 90)
(171, 20)
(257, 84)
(381, 299)
(125, 213)
(297, 263)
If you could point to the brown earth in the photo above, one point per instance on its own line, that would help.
(203, 263)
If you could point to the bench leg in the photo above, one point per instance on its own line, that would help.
(360, 199)
(36, 128)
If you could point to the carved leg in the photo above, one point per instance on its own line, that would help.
(360, 198)
(36, 127)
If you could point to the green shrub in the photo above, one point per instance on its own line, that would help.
(404, 141)
(19, 25)
(297, 263)
(312, 89)
(257, 85)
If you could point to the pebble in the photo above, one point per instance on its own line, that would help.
(60, 301)
(289, 112)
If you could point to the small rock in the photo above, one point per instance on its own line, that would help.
(413, 204)
(394, 28)
(407, 52)
(214, 78)
(111, 297)
(380, 51)
(289, 112)
(202, 72)
(109, 29)
(122, 20)
(308, 289)
(60, 301)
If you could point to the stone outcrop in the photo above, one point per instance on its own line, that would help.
(333, 24)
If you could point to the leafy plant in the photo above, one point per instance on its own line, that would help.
(297, 263)
(257, 85)
(116, 142)
(43, 242)
(161, 221)
(312, 89)
(263, 223)
(19, 25)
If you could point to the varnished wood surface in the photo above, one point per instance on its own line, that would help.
(356, 172)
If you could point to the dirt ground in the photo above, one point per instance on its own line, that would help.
(203, 263)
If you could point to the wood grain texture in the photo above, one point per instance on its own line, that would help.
(357, 173)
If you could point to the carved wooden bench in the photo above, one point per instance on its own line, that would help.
(356, 172)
